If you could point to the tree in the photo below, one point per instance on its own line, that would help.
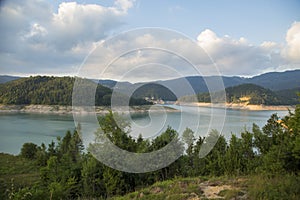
(279, 143)
(29, 151)
(92, 178)
(214, 161)
(188, 138)
(41, 155)
(247, 156)
(233, 156)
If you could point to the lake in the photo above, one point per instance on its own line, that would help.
(18, 128)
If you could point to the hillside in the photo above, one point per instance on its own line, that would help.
(154, 90)
(50, 91)
(253, 95)
(289, 96)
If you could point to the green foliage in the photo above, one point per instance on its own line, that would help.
(188, 138)
(51, 90)
(214, 161)
(284, 186)
(154, 90)
(18, 172)
(92, 178)
(279, 144)
(38, 90)
(257, 95)
(289, 96)
(29, 150)
(187, 188)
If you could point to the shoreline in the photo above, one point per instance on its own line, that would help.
(60, 109)
(239, 106)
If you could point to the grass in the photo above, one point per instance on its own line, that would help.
(231, 194)
(17, 171)
(183, 188)
(280, 186)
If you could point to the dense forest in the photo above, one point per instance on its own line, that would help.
(257, 95)
(51, 91)
(252, 94)
(156, 91)
(268, 157)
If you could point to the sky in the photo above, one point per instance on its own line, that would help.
(55, 37)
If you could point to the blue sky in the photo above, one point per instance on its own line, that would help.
(53, 37)
(255, 20)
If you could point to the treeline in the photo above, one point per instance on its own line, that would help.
(66, 172)
(251, 94)
(257, 95)
(49, 90)
(154, 90)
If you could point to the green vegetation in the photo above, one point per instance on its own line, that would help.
(16, 172)
(154, 90)
(257, 95)
(52, 91)
(192, 188)
(290, 96)
(251, 94)
(261, 164)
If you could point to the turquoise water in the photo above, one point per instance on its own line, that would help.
(18, 128)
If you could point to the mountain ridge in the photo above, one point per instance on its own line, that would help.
(284, 84)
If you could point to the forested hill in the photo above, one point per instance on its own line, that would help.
(50, 91)
(254, 95)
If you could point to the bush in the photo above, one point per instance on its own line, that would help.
(29, 151)
(283, 186)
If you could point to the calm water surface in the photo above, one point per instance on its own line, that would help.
(18, 128)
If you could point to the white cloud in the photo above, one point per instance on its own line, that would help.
(152, 49)
(292, 49)
(269, 45)
(124, 5)
(42, 39)
(239, 57)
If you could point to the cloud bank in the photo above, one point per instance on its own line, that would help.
(37, 38)
(239, 57)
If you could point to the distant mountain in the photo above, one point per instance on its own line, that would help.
(52, 91)
(274, 81)
(278, 80)
(5, 78)
(107, 83)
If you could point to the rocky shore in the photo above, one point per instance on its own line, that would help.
(239, 106)
(59, 109)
